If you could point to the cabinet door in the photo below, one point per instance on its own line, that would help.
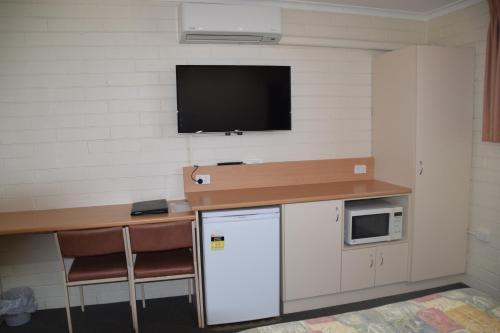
(312, 249)
(443, 148)
(358, 269)
(392, 264)
(394, 104)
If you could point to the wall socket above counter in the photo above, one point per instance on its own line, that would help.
(360, 168)
(202, 179)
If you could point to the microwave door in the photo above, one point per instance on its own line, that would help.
(370, 228)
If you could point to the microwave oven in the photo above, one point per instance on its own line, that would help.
(369, 221)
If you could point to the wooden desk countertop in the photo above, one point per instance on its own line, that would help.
(38, 221)
(276, 195)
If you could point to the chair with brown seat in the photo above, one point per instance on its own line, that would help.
(98, 257)
(163, 251)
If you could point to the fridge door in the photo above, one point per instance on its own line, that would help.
(241, 267)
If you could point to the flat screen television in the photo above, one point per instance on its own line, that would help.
(215, 98)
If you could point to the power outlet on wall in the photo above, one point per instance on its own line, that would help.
(360, 168)
(480, 234)
(483, 235)
(203, 179)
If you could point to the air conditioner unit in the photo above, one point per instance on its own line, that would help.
(229, 24)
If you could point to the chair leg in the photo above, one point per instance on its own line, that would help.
(197, 272)
(135, 322)
(65, 287)
(131, 283)
(190, 290)
(198, 303)
(143, 292)
(67, 304)
(186, 289)
(82, 302)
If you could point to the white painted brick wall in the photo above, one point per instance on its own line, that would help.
(468, 27)
(348, 26)
(88, 112)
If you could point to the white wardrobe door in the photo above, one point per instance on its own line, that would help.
(444, 139)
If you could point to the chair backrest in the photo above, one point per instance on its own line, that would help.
(161, 236)
(92, 242)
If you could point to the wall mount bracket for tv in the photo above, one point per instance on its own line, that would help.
(237, 132)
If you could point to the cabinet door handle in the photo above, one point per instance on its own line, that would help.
(371, 261)
(338, 213)
(421, 168)
(381, 259)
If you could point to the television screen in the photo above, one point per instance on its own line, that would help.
(233, 98)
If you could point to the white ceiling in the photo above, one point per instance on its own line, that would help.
(414, 6)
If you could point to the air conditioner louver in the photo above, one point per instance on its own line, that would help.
(224, 38)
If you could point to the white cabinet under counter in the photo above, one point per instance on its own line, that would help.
(312, 245)
(391, 264)
(358, 269)
(382, 255)
(317, 261)
(374, 266)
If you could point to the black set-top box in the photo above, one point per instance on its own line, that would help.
(149, 207)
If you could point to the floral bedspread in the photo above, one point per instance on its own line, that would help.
(459, 311)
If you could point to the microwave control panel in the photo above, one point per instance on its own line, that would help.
(397, 225)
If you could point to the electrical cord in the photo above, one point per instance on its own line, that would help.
(199, 181)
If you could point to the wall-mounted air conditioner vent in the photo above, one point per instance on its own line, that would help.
(232, 24)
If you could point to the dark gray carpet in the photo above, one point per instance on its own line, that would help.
(175, 314)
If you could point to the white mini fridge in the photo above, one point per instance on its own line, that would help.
(241, 264)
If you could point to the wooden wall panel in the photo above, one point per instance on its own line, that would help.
(278, 174)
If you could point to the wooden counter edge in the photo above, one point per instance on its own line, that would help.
(399, 191)
(96, 225)
(44, 221)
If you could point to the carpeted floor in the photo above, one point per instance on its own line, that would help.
(172, 315)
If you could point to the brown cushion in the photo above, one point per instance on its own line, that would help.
(98, 267)
(161, 236)
(165, 263)
(91, 242)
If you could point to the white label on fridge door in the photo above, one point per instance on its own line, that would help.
(217, 242)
